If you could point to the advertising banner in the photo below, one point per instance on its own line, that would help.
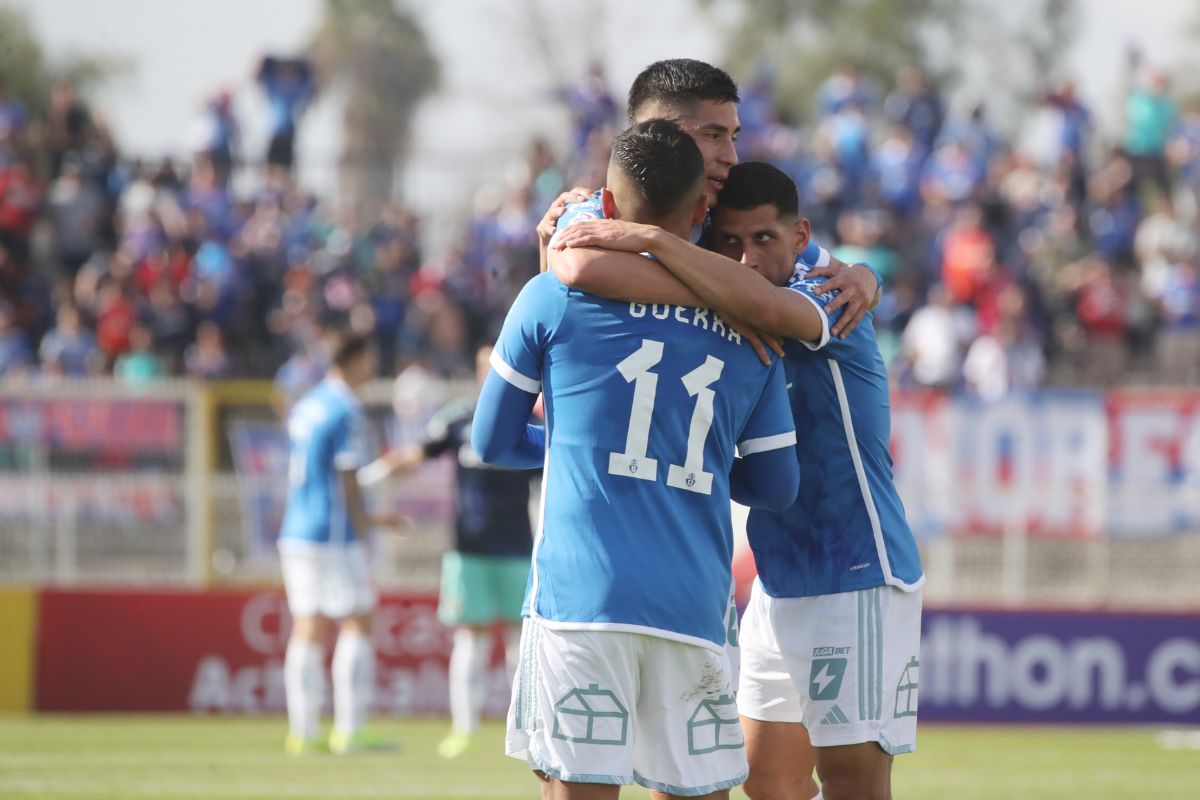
(1061, 667)
(1054, 463)
(222, 652)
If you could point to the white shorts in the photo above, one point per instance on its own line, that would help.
(846, 665)
(331, 580)
(617, 708)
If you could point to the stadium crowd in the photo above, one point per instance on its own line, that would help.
(1072, 263)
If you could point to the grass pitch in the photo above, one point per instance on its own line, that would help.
(174, 757)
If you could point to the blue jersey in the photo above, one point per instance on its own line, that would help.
(847, 529)
(644, 405)
(326, 431)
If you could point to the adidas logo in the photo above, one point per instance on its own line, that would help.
(835, 717)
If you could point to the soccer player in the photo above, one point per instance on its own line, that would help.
(324, 559)
(830, 640)
(484, 576)
(622, 674)
(702, 100)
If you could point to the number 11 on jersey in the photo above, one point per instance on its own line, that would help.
(633, 462)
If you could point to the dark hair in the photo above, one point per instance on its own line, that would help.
(661, 161)
(350, 347)
(755, 183)
(678, 81)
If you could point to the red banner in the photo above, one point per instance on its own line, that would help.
(223, 652)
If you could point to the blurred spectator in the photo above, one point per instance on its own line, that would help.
(70, 349)
(289, 85)
(206, 358)
(591, 106)
(915, 105)
(217, 137)
(844, 88)
(1074, 135)
(140, 364)
(67, 124)
(1183, 151)
(15, 353)
(1149, 116)
(932, 342)
(76, 209)
(1178, 304)
(20, 202)
(1104, 312)
(1009, 358)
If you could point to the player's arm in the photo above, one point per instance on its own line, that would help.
(767, 480)
(767, 475)
(355, 505)
(619, 275)
(500, 432)
(718, 282)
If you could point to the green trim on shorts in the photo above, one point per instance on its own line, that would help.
(481, 590)
(571, 777)
(681, 791)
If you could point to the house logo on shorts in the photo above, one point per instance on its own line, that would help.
(714, 726)
(591, 716)
(825, 678)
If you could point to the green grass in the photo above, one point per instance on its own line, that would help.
(169, 757)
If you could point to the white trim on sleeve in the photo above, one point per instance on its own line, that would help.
(764, 443)
(824, 340)
(504, 370)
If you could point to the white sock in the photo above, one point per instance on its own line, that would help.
(353, 681)
(468, 678)
(302, 682)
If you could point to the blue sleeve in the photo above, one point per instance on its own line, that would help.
(577, 212)
(767, 480)
(500, 434)
(770, 426)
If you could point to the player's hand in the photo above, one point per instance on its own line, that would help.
(759, 340)
(608, 234)
(856, 290)
(393, 522)
(546, 227)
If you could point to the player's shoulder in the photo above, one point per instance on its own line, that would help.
(804, 283)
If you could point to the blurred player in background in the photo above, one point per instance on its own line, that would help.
(623, 675)
(324, 558)
(830, 640)
(484, 575)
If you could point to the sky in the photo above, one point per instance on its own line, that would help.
(497, 83)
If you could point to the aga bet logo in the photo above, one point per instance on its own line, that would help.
(825, 679)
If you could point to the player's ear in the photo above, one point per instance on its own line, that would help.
(803, 231)
(701, 210)
(608, 204)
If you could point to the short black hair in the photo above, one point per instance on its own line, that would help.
(349, 347)
(678, 81)
(661, 161)
(755, 183)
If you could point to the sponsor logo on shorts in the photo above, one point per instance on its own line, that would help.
(835, 716)
(820, 652)
(591, 716)
(906, 689)
(825, 679)
(714, 726)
